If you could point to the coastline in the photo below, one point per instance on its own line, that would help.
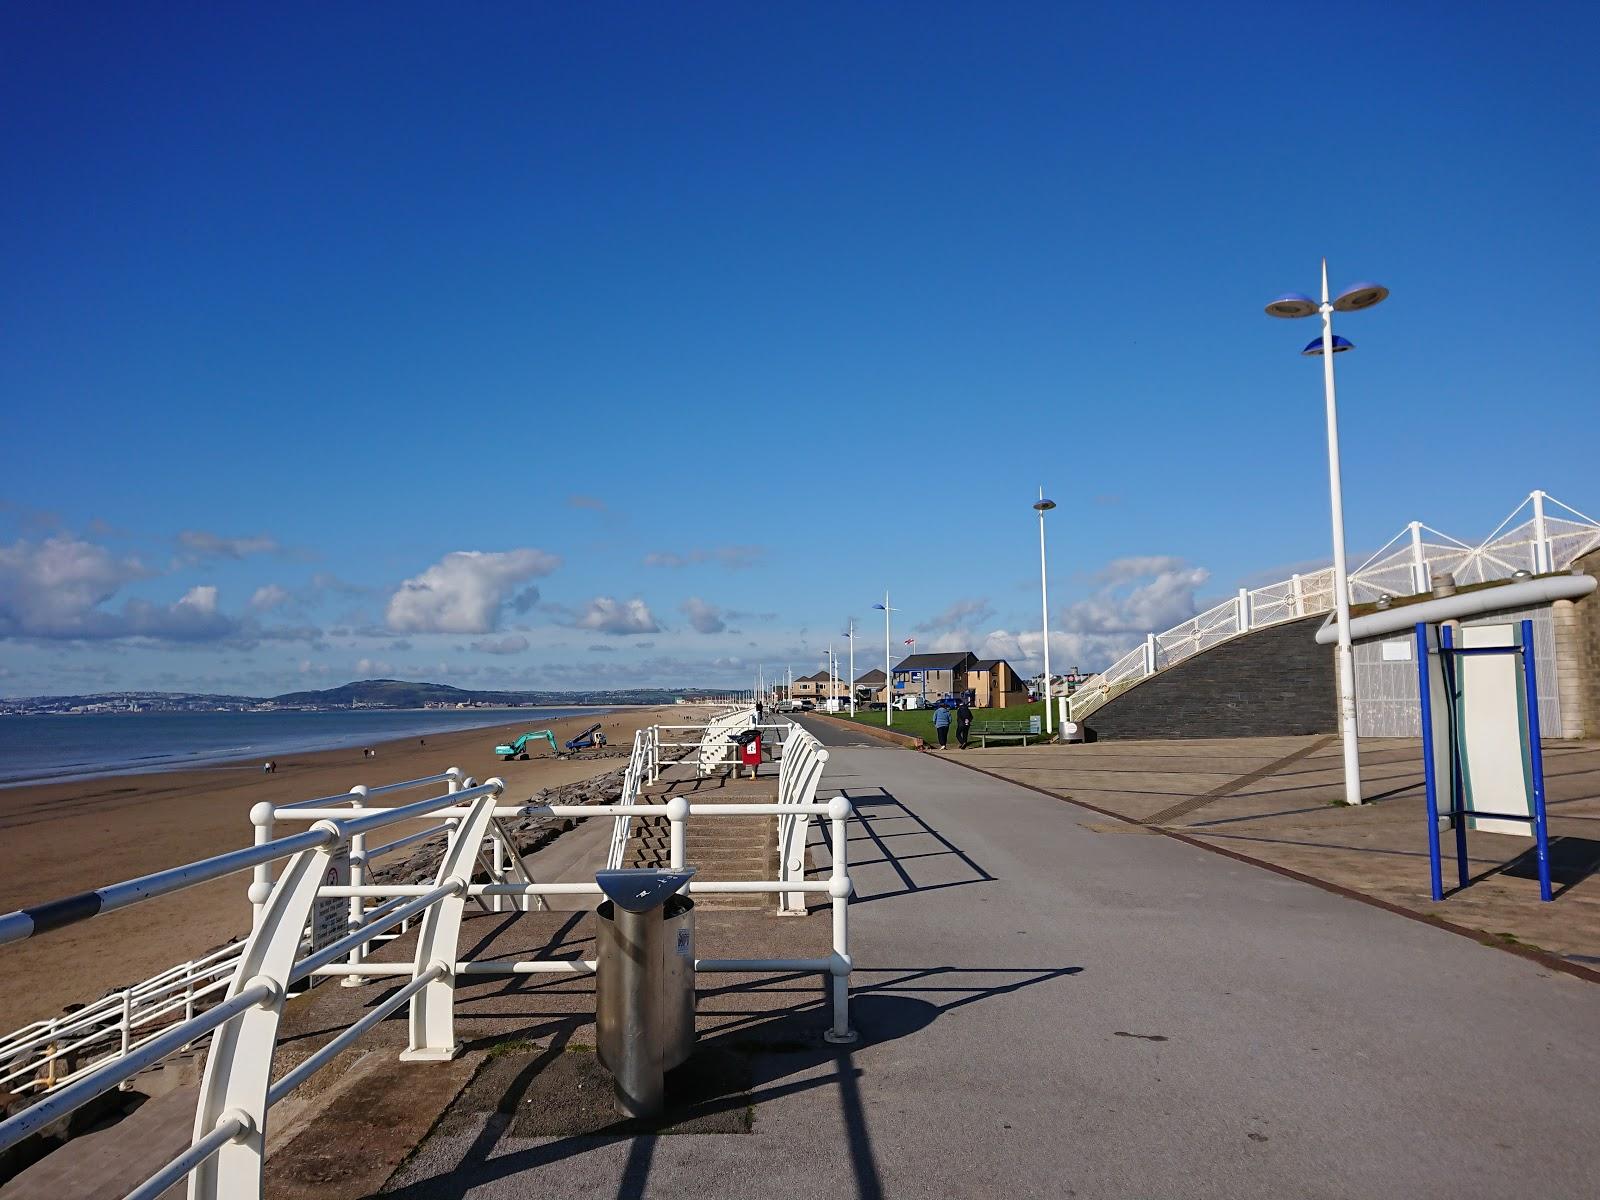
(65, 837)
(256, 752)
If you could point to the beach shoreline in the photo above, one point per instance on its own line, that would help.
(63, 837)
(256, 753)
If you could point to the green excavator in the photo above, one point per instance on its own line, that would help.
(519, 747)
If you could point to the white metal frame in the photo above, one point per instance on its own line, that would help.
(1542, 543)
(225, 1159)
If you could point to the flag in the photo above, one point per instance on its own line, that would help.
(911, 641)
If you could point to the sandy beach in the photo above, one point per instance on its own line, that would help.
(57, 839)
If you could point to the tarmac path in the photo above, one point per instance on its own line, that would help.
(1047, 1010)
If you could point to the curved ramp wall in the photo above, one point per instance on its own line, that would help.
(1266, 683)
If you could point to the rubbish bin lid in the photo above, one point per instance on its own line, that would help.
(641, 889)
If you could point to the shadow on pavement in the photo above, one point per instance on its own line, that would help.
(875, 806)
(775, 1055)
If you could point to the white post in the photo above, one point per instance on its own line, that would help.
(840, 1033)
(358, 876)
(1149, 654)
(677, 816)
(1419, 562)
(1542, 558)
(888, 679)
(261, 881)
(1244, 610)
(499, 852)
(1044, 609)
(852, 666)
(432, 1020)
(1299, 591)
(127, 1020)
(1341, 581)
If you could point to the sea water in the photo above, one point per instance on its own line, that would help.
(34, 748)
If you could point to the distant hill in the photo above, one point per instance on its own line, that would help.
(398, 693)
(365, 693)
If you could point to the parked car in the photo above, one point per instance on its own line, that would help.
(907, 703)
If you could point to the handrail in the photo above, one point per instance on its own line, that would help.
(226, 1152)
(56, 914)
(1542, 544)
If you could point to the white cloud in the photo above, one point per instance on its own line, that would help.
(368, 668)
(54, 588)
(706, 618)
(511, 644)
(463, 591)
(268, 597)
(622, 618)
(1134, 596)
(732, 557)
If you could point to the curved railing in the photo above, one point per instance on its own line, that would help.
(1402, 567)
(224, 1160)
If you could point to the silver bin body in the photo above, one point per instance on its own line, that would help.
(644, 997)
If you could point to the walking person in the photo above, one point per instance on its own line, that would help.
(941, 724)
(963, 722)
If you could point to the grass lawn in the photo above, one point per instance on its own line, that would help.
(919, 722)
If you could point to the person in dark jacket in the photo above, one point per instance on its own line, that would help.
(941, 724)
(963, 722)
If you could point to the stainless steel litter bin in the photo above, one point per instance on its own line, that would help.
(644, 982)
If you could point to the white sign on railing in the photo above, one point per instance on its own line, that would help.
(330, 917)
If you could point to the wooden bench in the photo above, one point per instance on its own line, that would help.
(1004, 731)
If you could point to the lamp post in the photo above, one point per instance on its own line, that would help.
(1043, 506)
(888, 678)
(851, 634)
(1352, 299)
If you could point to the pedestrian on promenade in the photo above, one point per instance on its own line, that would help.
(963, 722)
(941, 724)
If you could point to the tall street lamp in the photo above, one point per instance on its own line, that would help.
(888, 678)
(1043, 506)
(1352, 299)
(851, 634)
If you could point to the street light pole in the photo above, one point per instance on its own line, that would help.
(1043, 506)
(888, 678)
(1341, 580)
(852, 684)
(1352, 299)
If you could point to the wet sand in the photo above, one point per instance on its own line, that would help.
(61, 838)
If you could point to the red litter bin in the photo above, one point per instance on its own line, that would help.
(750, 751)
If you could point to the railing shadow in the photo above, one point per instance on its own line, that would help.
(877, 805)
(776, 1055)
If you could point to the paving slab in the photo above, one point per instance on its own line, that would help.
(1279, 801)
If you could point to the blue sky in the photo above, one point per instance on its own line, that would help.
(551, 346)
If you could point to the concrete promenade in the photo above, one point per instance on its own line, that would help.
(1279, 801)
(1048, 1011)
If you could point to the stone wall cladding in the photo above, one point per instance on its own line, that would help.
(1271, 682)
(1583, 653)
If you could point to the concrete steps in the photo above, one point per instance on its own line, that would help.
(728, 849)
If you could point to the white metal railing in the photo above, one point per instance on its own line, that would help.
(236, 1093)
(49, 1054)
(799, 773)
(714, 741)
(646, 744)
(1542, 543)
(645, 763)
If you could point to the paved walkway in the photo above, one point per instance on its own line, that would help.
(1047, 1011)
(1276, 800)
